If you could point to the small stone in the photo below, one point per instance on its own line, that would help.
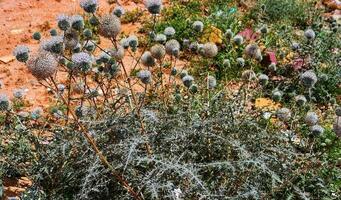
(7, 59)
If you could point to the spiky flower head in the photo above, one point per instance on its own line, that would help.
(147, 59)
(337, 126)
(63, 22)
(118, 11)
(198, 26)
(264, 29)
(284, 114)
(295, 46)
(21, 53)
(228, 34)
(36, 36)
(309, 34)
(263, 79)
(133, 41)
(54, 45)
(211, 82)
(43, 65)
(77, 22)
(174, 71)
(71, 39)
(300, 100)
(87, 33)
(53, 32)
(308, 79)
(161, 38)
(124, 43)
(145, 76)
(158, 51)
(248, 75)
(338, 111)
(311, 118)
(316, 130)
(241, 62)
(18, 93)
(188, 80)
(153, 6)
(110, 26)
(210, 50)
(89, 6)
(82, 61)
(172, 47)
(183, 73)
(4, 102)
(36, 113)
(238, 40)
(194, 46)
(169, 31)
(227, 63)
(252, 51)
(276, 95)
(117, 53)
(272, 67)
(194, 88)
(89, 45)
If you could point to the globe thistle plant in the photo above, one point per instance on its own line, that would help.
(36, 36)
(82, 61)
(117, 53)
(4, 102)
(226, 63)
(172, 46)
(187, 80)
(183, 73)
(161, 38)
(194, 46)
(241, 62)
(133, 41)
(63, 22)
(77, 22)
(110, 26)
(89, 6)
(43, 65)
(338, 111)
(158, 51)
(118, 11)
(154, 6)
(276, 95)
(124, 42)
(228, 34)
(174, 71)
(272, 67)
(210, 50)
(308, 79)
(194, 88)
(311, 118)
(21, 53)
(263, 79)
(295, 46)
(53, 32)
(145, 76)
(147, 59)
(169, 31)
(87, 33)
(264, 29)
(54, 45)
(284, 114)
(198, 26)
(309, 34)
(300, 100)
(238, 40)
(316, 130)
(252, 51)
(248, 75)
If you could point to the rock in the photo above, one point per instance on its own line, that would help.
(17, 31)
(7, 59)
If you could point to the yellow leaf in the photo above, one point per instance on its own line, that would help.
(212, 34)
(266, 104)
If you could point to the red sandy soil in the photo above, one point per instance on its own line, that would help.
(19, 20)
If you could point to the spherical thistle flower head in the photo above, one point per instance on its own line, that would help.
(295, 46)
(252, 51)
(272, 67)
(77, 22)
(194, 46)
(23, 114)
(145, 76)
(311, 118)
(238, 40)
(316, 130)
(110, 26)
(89, 6)
(63, 22)
(194, 88)
(211, 82)
(169, 31)
(263, 79)
(147, 59)
(172, 46)
(264, 29)
(53, 32)
(161, 38)
(309, 34)
(158, 51)
(338, 111)
(4, 102)
(183, 73)
(210, 50)
(118, 11)
(187, 80)
(43, 65)
(276, 95)
(117, 53)
(61, 87)
(36, 113)
(133, 41)
(284, 114)
(228, 34)
(54, 45)
(124, 42)
(226, 63)
(154, 6)
(87, 33)
(89, 46)
(18, 93)
(241, 62)
(71, 39)
(300, 100)
(337, 126)
(103, 57)
(82, 61)
(198, 26)
(308, 79)
(36, 36)
(21, 53)
(248, 75)
(174, 71)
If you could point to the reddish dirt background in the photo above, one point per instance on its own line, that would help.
(19, 20)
